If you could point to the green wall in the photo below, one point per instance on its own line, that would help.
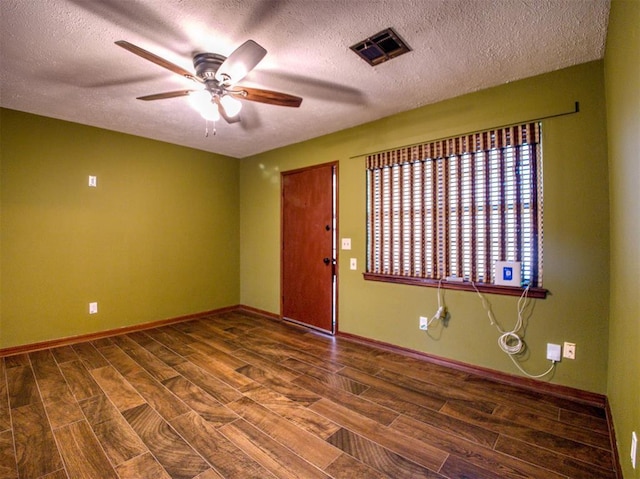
(576, 229)
(622, 75)
(157, 239)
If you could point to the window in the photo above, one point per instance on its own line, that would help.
(453, 207)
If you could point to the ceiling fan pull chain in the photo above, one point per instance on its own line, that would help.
(206, 128)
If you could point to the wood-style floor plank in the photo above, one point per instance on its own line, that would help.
(5, 416)
(147, 360)
(144, 466)
(269, 453)
(378, 457)
(164, 354)
(583, 452)
(64, 354)
(36, 450)
(347, 467)
(174, 454)
(114, 433)
(585, 421)
(272, 381)
(362, 406)
(123, 395)
(501, 465)
(293, 411)
(207, 407)
(561, 463)
(21, 386)
(420, 452)
(235, 395)
(83, 457)
(375, 383)
(208, 382)
(226, 458)
(542, 423)
(80, 381)
(90, 356)
(8, 466)
(306, 445)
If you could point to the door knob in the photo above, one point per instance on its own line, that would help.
(326, 261)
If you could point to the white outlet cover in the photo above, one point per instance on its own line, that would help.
(93, 181)
(569, 350)
(346, 243)
(353, 263)
(424, 323)
(634, 448)
(93, 308)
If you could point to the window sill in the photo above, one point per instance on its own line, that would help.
(538, 293)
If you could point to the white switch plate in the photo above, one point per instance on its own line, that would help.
(353, 264)
(93, 308)
(634, 448)
(346, 243)
(553, 352)
(93, 181)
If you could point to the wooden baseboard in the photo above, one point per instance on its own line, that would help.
(259, 312)
(557, 390)
(27, 348)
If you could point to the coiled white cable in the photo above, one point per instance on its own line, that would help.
(509, 341)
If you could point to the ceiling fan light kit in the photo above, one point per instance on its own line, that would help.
(231, 105)
(219, 76)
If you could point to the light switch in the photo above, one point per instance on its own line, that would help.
(353, 264)
(346, 243)
(93, 181)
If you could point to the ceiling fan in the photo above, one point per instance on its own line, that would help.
(218, 76)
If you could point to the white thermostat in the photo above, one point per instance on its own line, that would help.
(508, 273)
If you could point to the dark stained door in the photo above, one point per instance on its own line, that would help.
(308, 246)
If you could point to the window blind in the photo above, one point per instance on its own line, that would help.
(454, 207)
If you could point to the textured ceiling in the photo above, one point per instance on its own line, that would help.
(58, 59)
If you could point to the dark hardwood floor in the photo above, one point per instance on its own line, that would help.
(235, 396)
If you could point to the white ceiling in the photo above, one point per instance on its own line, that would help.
(58, 59)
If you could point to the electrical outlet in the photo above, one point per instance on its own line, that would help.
(353, 263)
(424, 323)
(93, 308)
(569, 350)
(93, 181)
(634, 448)
(553, 352)
(346, 243)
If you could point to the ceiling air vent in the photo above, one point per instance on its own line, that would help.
(381, 47)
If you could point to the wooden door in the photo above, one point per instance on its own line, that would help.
(309, 246)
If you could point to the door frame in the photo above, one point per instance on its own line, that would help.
(335, 249)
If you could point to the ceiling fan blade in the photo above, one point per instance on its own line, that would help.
(162, 96)
(223, 112)
(266, 96)
(156, 59)
(241, 61)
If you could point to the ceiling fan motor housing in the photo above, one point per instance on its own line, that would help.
(207, 64)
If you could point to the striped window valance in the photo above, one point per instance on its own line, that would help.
(528, 133)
